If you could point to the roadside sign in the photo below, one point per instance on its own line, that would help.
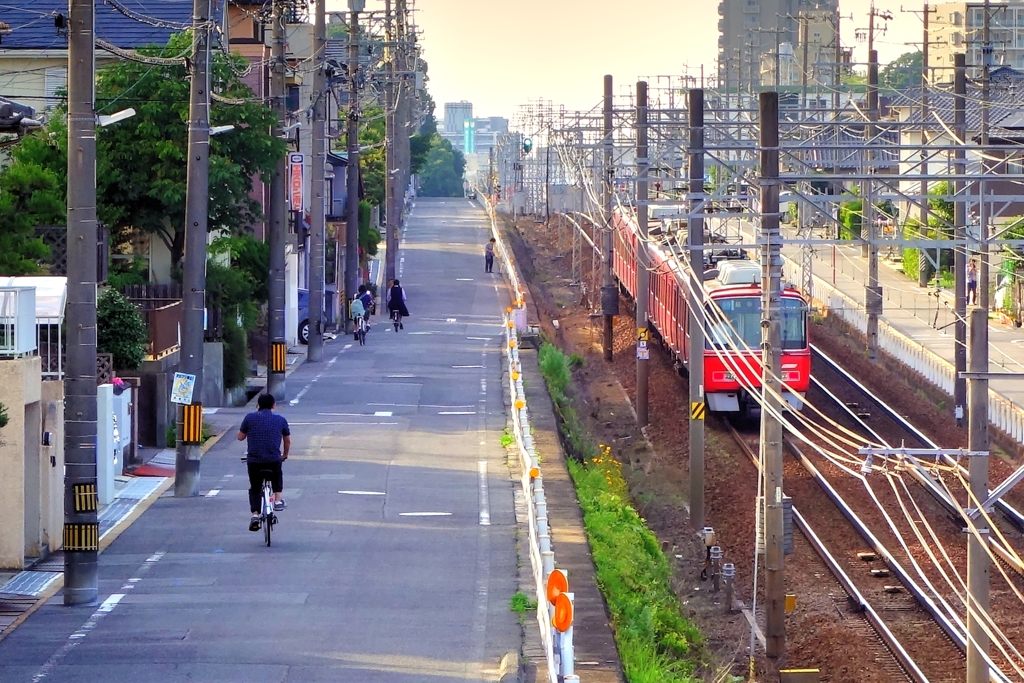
(296, 181)
(698, 409)
(182, 388)
(643, 334)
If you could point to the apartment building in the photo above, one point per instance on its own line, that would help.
(956, 28)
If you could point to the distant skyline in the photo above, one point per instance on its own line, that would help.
(501, 55)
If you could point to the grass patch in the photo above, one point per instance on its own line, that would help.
(171, 439)
(656, 644)
(521, 603)
(507, 439)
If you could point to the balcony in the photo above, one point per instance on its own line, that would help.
(17, 321)
(752, 8)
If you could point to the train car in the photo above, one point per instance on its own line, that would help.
(736, 291)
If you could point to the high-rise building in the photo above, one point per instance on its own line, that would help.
(956, 27)
(455, 116)
(750, 29)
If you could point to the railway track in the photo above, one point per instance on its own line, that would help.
(908, 644)
(895, 533)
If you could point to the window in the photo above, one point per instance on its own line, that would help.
(55, 80)
(744, 324)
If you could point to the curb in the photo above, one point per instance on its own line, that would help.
(110, 537)
(508, 671)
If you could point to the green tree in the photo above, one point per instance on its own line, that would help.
(30, 195)
(120, 330)
(442, 171)
(901, 72)
(142, 162)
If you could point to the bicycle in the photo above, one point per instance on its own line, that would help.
(267, 517)
(361, 329)
(396, 318)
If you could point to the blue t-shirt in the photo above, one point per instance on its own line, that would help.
(263, 430)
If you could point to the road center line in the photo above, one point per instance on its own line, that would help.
(485, 504)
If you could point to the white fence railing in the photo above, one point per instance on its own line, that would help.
(1002, 412)
(558, 648)
(17, 321)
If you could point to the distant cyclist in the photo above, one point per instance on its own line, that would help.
(265, 432)
(357, 310)
(396, 302)
(366, 296)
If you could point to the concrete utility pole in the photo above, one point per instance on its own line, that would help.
(695, 241)
(391, 211)
(403, 116)
(804, 26)
(643, 275)
(977, 558)
(983, 212)
(873, 292)
(186, 462)
(837, 69)
(277, 216)
(352, 219)
(609, 293)
(960, 231)
(922, 232)
(81, 528)
(318, 192)
(771, 387)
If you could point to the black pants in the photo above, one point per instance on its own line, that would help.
(489, 263)
(256, 478)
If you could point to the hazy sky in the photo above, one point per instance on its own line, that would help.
(499, 54)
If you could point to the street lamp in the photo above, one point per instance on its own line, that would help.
(117, 117)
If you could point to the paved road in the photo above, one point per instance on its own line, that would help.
(395, 560)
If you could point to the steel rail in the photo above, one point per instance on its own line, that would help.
(888, 638)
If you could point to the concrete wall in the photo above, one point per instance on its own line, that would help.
(51, 465)
(20, 486)
(213, 374)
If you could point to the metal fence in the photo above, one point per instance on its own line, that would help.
(17, 321)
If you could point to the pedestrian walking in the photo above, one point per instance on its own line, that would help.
(972, 283)
(489, 256)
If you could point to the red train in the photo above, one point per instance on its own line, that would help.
(737, 291)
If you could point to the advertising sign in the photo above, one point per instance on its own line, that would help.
(296, 169)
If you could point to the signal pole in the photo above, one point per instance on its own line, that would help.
(352, 218)
(642, 258)
(609, 294)
(771, 360)
(318, 184)
(81, 528)
(695, 241)
(922, 232)
(959, 229)
(278, 218)
(186, 462)
(873, 293)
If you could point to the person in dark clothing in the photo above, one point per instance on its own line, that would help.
(396, 301)
(265, 432)
(489, 256)
(366, 296)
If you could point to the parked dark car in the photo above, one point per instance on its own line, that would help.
(303, 316)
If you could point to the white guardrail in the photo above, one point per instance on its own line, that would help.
(558, 647)
(1002, 412)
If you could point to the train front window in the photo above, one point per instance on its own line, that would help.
(742, 325)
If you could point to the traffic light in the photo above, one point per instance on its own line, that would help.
(527, 145)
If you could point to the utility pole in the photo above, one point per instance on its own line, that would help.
(277, 217)
(609, 294)
(352, 219)
(873, 292)
(837, 70)
(922, 232)
(81, 528)
(977, 555)
(547, 174)
(318, 191)
(771, 387)
(804, 31)
(391, 211)
(960, 231)
(986, 56)
(197, 189)
(642, 257)
(404, 114)
(695, 241)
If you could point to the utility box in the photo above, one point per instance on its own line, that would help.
(799, 676)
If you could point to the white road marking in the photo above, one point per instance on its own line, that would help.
(212, 493)
(396, 377)
(90, 624)
(424, 514)
(456, 412)
(463, 279)
(364, 424)
(457, 367)
(382, 413)
(485, 505)
(363, 493)
(302, 392)
(479, 338)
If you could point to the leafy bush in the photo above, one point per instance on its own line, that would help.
(850, 214)
(4, 417)
(171, 439)
(121, 331)
(369, 236)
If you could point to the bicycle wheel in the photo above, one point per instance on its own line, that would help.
(266, 528)
(268, 511)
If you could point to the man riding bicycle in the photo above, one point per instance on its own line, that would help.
(356, 311)
(265, 431)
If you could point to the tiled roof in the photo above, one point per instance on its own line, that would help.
(1006, 98)
(32, 23)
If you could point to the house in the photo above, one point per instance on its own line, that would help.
(34, 55)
